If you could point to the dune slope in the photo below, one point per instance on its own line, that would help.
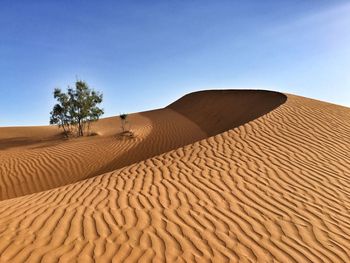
(37, 163)
(274, 189)
(35, 159)
(216, 111)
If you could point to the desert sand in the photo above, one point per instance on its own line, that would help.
(221, 175)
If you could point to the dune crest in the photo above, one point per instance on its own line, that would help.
(216, 111)
(39, 158)
(274, 188)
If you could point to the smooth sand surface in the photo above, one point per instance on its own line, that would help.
(224, 176)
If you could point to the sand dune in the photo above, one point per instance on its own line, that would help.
(248, 176)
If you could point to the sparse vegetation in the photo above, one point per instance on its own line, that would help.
(123, 118)
(76, 109)
(126, 132)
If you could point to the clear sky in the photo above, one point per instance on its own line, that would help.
(145, 54)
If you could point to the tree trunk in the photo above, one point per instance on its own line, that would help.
(123, 125)
(64, 129)
(80, 128)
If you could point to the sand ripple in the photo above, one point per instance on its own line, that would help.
(274, 189)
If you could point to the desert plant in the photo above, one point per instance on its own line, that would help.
(76, 108)
(123, 118)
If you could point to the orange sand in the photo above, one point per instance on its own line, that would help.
(217, 175)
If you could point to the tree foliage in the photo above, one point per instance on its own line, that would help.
(76, 108)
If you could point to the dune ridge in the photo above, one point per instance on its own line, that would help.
(273, 189)
(37, 159)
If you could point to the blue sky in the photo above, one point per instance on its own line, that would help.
(145, 54)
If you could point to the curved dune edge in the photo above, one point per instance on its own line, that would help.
(273, 189)
(35, 159)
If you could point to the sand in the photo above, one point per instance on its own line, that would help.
(250, 176)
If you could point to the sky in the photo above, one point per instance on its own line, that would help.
(143, 55)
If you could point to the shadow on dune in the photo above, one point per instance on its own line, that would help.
(152, 145)
(213, 111)
(216, 111)
(10, 143)
(192, 118)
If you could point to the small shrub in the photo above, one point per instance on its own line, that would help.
(123, 118)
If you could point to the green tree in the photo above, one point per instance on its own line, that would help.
(76, 108)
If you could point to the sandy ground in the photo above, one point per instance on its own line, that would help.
(248, 176)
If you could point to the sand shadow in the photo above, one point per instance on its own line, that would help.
(31, 143)
(214, 111)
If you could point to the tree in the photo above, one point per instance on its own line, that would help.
(76, 108)
(123, 118)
